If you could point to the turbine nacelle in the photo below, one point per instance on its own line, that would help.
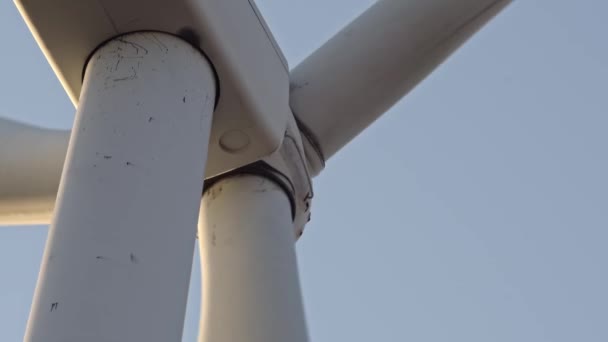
(253, 103)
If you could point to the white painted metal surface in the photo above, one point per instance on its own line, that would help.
(251, 290)
(31, 160)
(253, 75)
(117, 263)
(336, 92)
(372, 63)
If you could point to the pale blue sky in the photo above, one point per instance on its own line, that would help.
(475, 210)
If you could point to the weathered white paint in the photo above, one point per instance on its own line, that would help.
(251, 70)
(336, 92)
(251, 290)
(117, 263)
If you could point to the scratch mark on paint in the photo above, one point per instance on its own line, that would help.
(133, 258)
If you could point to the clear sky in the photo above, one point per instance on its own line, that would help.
(475, 210)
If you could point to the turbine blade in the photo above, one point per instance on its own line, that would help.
(31, 161)
(362, 71)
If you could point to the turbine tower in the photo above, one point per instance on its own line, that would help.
(188, 114)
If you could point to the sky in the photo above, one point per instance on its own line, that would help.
(476, 209)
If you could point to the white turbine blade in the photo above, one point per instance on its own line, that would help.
(31, 160)
(378, 58)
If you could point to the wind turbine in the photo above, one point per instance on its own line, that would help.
(169, 94)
